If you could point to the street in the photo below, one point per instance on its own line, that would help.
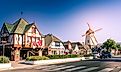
(105, 65)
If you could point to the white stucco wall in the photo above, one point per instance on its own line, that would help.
(18, 39)
(34, 36)
(91, 39)
(43, 42)
(29, 32)
(15, 39)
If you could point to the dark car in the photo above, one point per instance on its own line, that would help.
(105, 55)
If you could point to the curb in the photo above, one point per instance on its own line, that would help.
(13, 68)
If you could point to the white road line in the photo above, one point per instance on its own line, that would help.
(53, 67)
(88, 69)
(106, 70)
(41, 67)
(76, 68)
(62, 68)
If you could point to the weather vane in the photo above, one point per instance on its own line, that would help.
(21, 13)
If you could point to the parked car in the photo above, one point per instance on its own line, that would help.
(104, 55)
(96, 55)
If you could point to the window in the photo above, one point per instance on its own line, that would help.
(88, 41)
(57, 43)
(62, 52)
(4, 38)
(33, 30)
(55, 53)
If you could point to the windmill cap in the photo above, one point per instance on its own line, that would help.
(89, 31)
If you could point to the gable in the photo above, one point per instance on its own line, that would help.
(76, 48)
(4, 29)
(49, 38)
(20, 26)
(32, 29)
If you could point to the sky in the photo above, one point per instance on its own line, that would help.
(67, 19)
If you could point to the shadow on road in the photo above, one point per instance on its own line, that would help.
(110, 60)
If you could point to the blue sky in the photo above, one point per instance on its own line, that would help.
(67, 19)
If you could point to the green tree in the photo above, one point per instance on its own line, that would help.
(118, 46)
(109, 44)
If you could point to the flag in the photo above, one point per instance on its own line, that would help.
(39, 43)
(21, 13)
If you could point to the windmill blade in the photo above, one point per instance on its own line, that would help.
(83, 35)
(92, 40)
(89, 25)
(98, 30)
(95, 39)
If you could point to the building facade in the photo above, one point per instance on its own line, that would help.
(55, 46)
(21, 40)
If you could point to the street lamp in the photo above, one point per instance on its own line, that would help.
(3, 42)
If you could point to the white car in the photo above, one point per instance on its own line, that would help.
(96, 55)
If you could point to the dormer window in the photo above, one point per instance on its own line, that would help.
(57, 43)
(33, 30)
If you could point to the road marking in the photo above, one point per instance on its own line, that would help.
(106, 70)
(43, 67)
(76, 68)
(53, 67)
(88, 69)
(62, 68)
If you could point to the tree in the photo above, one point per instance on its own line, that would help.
(109, 44)
(118, 46)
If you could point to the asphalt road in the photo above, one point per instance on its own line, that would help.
(105, 65)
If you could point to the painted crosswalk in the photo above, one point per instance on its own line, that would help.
(88, 69)
(72, 68)
(106, 70)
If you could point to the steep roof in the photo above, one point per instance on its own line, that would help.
(66, 43)
(76, 43)
(50, 38)
(9, 27)
(27, 27)
(20, 26)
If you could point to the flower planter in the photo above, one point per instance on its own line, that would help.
(52, 61)
(5, 65)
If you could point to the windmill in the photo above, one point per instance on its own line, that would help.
(90, 38)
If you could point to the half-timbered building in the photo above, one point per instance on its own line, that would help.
(20, 39)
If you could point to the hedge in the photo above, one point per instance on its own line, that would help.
(35, 58)
(4, 59)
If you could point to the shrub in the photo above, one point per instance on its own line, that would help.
(4, 59)
(35, 58)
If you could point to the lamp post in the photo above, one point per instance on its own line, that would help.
(3, 42)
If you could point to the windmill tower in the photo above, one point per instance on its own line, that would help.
(90, 38)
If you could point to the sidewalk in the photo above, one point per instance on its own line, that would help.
(116, 55)
(17, 65)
